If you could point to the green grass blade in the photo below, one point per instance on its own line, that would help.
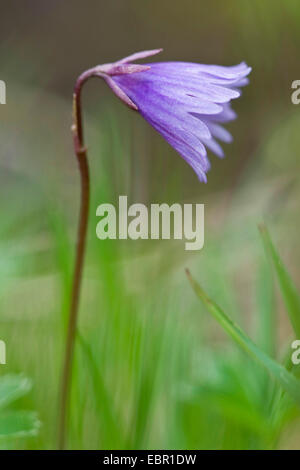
(288, 382)
(146, 388)
(289, 292)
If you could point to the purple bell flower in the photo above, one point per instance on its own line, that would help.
(186, 103)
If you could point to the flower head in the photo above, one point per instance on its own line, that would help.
(186, 103)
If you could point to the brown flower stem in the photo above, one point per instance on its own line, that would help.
(81, 155)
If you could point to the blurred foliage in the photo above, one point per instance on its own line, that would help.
(150, 371)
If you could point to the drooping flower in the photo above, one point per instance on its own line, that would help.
(186, 103)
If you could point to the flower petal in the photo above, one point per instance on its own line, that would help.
(141, 89)
(220, 132)
(198, 162)
(214, 147)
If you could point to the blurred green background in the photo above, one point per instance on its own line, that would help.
(152, 369)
